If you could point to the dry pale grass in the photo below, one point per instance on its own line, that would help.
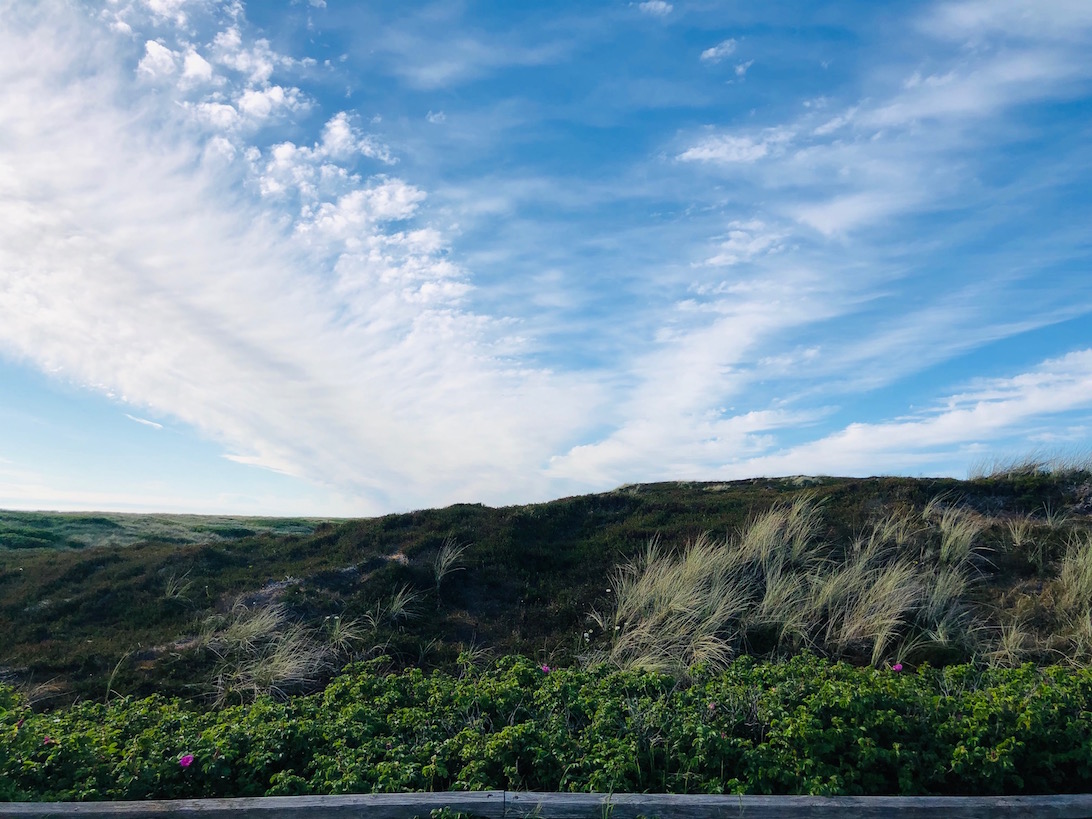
(261, 653)
(1020, 529)
(291, 661)
(447, 561)
(784, 606)
(1013, 645)
(777, 577)
(1073, 593)
(1054, 518)
(1022, 466)
(944, 595)
(344, 634)
(1076, 636)
(873, 612)
(958, 532)
(671, 612)
(1075, 574)
(248, 627)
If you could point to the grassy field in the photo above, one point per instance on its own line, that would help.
(79, 530)
(996, 570)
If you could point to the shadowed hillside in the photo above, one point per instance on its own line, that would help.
(878, 570)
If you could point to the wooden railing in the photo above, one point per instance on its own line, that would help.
(529, 805)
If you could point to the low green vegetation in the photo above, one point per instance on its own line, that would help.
(79, 530)
(995, 570)
(236, 631)
(803, 726)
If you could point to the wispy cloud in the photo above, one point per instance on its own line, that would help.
(657, 8)
(144, 421)
(554, 290)
(973, 20)
(721, 51)
(988, 414)
(729, 148)
(833, 181)
(332, 347)
(437, 49)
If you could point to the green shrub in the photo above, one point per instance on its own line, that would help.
(802, 726)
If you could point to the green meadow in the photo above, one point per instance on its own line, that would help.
(139, 640)
(994, 570)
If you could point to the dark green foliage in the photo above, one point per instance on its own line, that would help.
(139, 589)
(806, 726)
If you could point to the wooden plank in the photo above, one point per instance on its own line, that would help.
(524, 805)
(367, 806)
(678, 806)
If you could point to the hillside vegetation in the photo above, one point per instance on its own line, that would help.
(996, 570)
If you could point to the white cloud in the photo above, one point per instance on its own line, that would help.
(339, 139)
(436, 118)
(219, 115)
(261, 104)
(338, 352)
(720, 51)
(836, 216)
(439, 58)
(657, 8)
(727, 148)
(196, 67)
(822, 179)
(158, 60)
(389, 200)
(680, 418)
(144, 421)
(746, 240)
(974, 19)
(309, 314)
(988, 413)
(167, 10)
(313, 173)
(867, 163)
(741, 68)
(257, 62)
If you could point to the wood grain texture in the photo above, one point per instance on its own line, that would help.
(368, 806)
(675, 806)
(526, 805)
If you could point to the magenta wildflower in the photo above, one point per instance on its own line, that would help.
(545, 669)
(49, 741)
(186, 760)
(897, 667)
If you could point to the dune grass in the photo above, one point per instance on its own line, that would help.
(900, 591)
(1031, 465)
(871, 571)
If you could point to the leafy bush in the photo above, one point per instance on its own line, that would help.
(802, 726)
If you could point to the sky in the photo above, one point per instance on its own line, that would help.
(338, 258)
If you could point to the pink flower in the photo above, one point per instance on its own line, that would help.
(897, 667)
(186, 760)
(49, 741)
(545, 669)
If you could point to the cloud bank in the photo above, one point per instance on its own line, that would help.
(190, 228)
(331, 345)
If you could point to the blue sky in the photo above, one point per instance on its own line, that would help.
(340, 258)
